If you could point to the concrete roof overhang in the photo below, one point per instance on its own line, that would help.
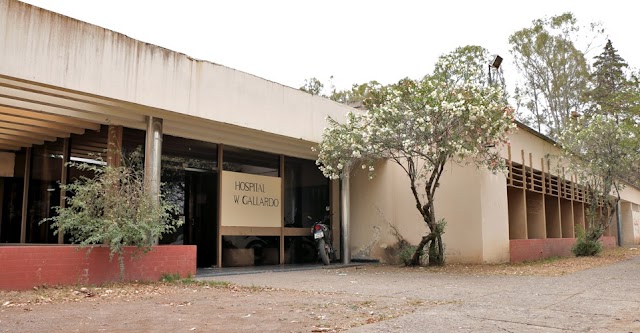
(32, 113)
(60, 76)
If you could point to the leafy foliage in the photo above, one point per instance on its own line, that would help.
(601, 152)
(421, 125)
(554, 71)
(602, 146)
(113, 208)
(613, 91)
(468, 64)
(585, 245)
(406, 253)
(312, 86)
(364, 94)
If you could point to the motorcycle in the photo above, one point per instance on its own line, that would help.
(322, 236)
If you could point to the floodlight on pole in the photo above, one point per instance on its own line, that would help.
(495, 62)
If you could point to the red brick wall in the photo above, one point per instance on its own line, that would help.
(536, 249)
(23, 267)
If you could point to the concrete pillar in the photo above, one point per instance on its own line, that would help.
(66, 152)
(344, 226)
(25, 196)
(618, 224)
(627, 223)
(114, 145)
(494, 216)
(153, 157)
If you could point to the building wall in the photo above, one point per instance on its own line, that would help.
(536, 249)
(56, 50)
(24, 267)
(473, 203)
(495, 217)
(523, 141)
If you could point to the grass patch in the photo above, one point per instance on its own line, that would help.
(175, 279)
(543, 261)
(170, 278)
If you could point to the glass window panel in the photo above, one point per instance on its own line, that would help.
(306, 193)
(91, 148)
(250, 250)
(251, 161)
(132, 139)
(300, 250)
(11, 189)
(44, 190)
(189, 181)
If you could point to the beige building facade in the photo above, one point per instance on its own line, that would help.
(531, 212)
(234, 151)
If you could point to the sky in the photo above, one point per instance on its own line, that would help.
(355, 41)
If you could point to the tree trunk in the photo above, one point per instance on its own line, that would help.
(439, 259)
(434, 243)
(433, 252)
(602, 223)
(415, 260)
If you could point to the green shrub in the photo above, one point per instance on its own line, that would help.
(406, 253)
(113, 207)
(169, 277)
(584, 245)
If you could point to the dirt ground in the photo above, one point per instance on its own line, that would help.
(210, 306)
(204, 307)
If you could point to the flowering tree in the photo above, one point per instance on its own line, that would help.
(422, 125)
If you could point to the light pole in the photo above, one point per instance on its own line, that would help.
(495, 62)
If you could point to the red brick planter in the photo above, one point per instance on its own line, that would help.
(536, 249)
(23, 267)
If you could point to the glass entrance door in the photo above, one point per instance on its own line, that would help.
(200, 215)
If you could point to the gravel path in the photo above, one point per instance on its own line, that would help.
(602, 299)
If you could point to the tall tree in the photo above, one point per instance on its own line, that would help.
(364, 94)
(469, 64)
(422, 126)
(603, 145)
(554, 71)
(613, 91)
(601, 152)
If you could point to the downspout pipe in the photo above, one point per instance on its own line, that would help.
(619, 223)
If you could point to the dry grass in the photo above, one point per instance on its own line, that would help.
(555, 266)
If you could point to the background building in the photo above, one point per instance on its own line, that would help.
(220, 139)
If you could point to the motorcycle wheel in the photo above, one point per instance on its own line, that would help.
(322, 250)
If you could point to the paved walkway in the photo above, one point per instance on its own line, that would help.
(203, 273)
(604, 299)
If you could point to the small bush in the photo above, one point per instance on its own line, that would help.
(406, 253)
(171, 278)
(585, 246)
(114, 207)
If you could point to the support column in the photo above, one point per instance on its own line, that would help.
(114, 145)
(25, 196)
(619, 224)
(344, 225)
(66, 152)
(153, 157)
(625, 212)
